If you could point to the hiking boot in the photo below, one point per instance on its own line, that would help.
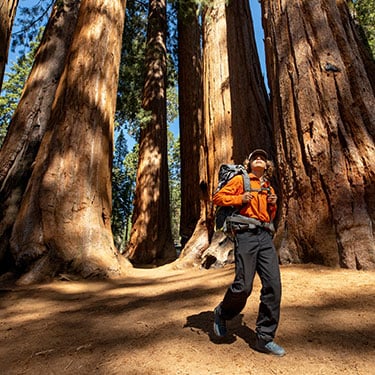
(269, 347)
(220, 324)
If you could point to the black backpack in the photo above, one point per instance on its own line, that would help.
(226, 173)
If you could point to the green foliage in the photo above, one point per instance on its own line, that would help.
(123, 183)
(174, 183)
(28, 23)
(187, 7)
(13, 86)
(124, 174)
(129, 113)
(126, 192)
(131, 163)
(365, 14)
(172, 104)
(131, 116)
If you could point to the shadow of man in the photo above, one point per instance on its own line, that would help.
(236, 328)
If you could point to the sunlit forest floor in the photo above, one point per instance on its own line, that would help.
(159, 321)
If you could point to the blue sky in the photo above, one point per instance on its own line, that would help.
(258, 30)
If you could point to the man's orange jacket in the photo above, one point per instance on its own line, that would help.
(257, 207)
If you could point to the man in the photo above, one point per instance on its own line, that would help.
(254, 253)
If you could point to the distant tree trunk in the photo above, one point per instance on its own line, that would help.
(7, 13)
(236, 108)
(194, 193)
(235, 113)
(151, 235)
(190, 114)
(251, 123)
(323, 107)
(64, 219)
(30, 119)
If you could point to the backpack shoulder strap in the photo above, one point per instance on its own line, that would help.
(246, 182)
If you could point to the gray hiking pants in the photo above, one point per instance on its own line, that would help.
(255, 253)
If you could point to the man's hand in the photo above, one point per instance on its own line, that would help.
(247, 197)
(272, 199)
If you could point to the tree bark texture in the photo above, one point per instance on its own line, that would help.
(250, 119)
(190, 114)
(31, 117)
(235, 115)
(235, 102)
(151, 236)
(64, 219)
(235, 108)
(7, 13)
(323, 109)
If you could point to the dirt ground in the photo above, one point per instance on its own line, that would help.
(159, 321)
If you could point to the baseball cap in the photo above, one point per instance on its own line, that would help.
(258, 151)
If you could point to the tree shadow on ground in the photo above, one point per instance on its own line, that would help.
(325, 314)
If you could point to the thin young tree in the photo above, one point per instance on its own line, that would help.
(29, 121)
(151, 236)
(323, 110)
(122, 192)
(7, 13)
(64, 220)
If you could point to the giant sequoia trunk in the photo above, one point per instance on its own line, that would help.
(7, 13)
(190, 114)
(194, 193)
(31, 117)
(151, 236)
(323, 107)
(64, 219)
(235, 112)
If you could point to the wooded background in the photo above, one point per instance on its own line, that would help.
(74, 199)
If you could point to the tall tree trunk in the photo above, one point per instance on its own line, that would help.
(236, 108)
(194, 187)
(190, 114)
(323, 107)
(64, 219)
(250, 108)
(151, 236)
(7, 13)
(235, 113)
(30, 119)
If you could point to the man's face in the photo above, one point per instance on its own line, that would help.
(258, 162)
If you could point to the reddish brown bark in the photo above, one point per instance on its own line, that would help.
(151, 236)
(323, 103)
(235, 114)
(64, 219)
(31, 117)
(190, 114)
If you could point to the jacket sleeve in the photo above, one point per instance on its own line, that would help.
(230, 194)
